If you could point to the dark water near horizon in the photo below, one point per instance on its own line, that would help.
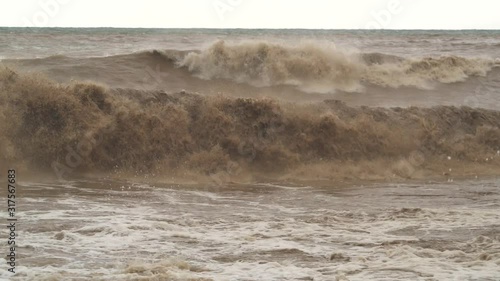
(86, 42)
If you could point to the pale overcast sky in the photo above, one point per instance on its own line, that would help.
(320, 14)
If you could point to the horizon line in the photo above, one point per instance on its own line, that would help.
(260, 28)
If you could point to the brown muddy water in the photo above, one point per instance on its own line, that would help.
(238, 106)
(111, 230)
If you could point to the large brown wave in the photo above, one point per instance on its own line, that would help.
(84, 127)
(308, 67)
(324, 68)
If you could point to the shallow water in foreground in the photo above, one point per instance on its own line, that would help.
(108, 230)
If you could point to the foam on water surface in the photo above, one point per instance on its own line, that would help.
(385, 232)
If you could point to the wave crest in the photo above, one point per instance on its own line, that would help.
(323, 68)
(87, 127)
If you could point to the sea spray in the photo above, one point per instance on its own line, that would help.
(157, 133)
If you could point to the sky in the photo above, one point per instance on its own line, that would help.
(310, 14)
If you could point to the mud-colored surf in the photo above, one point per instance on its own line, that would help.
(83, 127)
(312, 67)
(252, 154)
(324, 68)
(115, 230)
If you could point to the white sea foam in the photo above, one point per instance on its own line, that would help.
(284, 235)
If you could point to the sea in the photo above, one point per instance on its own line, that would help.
(241, 154)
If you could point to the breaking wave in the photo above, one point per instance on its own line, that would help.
(324, 68)
(309, 67)
(85, 127)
